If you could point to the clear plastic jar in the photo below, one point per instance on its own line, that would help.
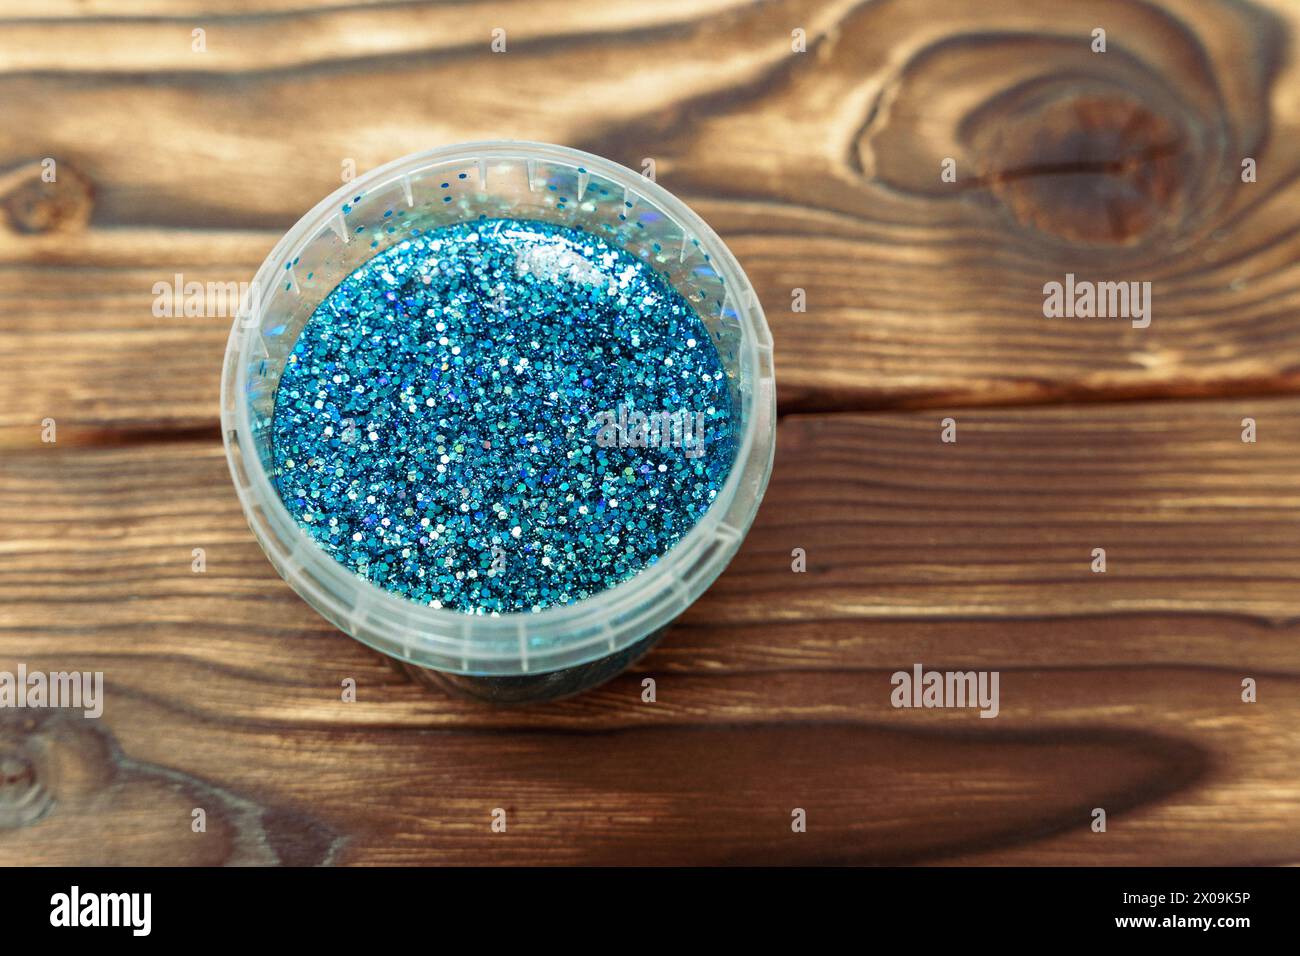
(531, 655)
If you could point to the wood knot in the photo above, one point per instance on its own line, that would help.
(68, 793)
(1091, 168)
(1101, 144)
(24, 798)
(46, 196)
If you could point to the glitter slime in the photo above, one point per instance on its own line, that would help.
(500, 411)
(448, 422)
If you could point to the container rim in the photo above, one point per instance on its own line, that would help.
(538, 641)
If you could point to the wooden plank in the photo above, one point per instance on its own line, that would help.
(1120, 690)
(820, 169)
(131, 38)
(874, 792)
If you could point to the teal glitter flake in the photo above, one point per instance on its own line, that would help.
(503, 415)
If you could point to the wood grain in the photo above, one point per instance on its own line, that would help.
(1119, 690)
(821, 170)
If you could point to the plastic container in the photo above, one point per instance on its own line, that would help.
(520, 656)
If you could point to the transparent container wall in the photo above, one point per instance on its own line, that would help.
(560, 649)
(553, 191)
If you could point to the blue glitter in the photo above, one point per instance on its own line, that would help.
(502, 415)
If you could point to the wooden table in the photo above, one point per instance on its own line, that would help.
(823, 170)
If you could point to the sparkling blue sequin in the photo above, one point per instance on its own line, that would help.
(443, 424)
